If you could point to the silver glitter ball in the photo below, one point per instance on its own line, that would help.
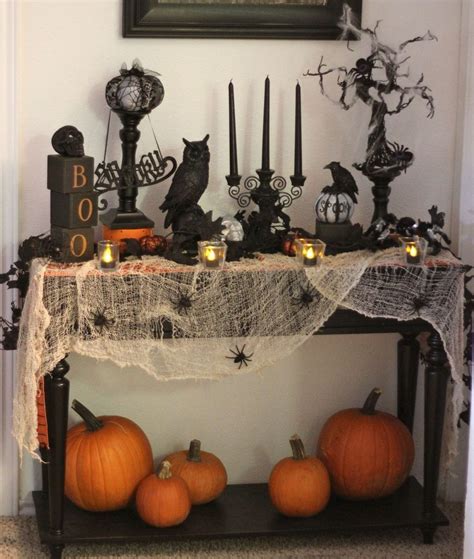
(232, 229)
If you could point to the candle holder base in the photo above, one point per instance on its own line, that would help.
(333, 232)
(341, 237)
(117, 219)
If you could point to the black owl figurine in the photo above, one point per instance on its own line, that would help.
(188, 220)
(189, 181)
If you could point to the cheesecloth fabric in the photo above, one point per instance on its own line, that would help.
(182, 322)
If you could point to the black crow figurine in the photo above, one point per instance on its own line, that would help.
(189, 181)
(343, 181)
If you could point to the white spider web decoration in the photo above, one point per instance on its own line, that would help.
(122, 316)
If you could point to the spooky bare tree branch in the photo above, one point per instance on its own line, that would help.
(374, 80)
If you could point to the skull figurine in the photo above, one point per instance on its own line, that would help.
(68, 141)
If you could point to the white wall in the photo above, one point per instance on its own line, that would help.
(466, 223)
(70, 49)
(8, 251)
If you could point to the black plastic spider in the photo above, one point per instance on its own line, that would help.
(101, 320)
(240, 356)
(362, 70)
(305, 297)
(183, 302)
(418, 303)
(400, 153)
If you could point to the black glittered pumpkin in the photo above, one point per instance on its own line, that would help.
(135, 90)
(153, 245)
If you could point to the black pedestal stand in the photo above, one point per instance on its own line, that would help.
(381, 191)
(127, 216)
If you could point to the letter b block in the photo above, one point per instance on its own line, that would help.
(74, 210)
(70, 174)
(77, 245)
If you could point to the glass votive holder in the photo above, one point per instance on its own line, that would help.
(109, 255)
(309, 252)
(212, 254)
(414, 250)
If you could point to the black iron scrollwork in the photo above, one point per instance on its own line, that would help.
(150, 170)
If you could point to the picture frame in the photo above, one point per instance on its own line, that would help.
(236, 19)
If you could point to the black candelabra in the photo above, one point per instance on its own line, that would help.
(265, 228)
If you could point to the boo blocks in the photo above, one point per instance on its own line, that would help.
(73, 206)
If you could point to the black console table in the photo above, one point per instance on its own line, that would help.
(60, 522)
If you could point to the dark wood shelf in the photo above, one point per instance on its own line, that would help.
(243, 510)
(346, 321)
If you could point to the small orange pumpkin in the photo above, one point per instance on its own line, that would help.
(368, 453)
(106, 458)
(203, 472)
(163, 499)
(299, 486)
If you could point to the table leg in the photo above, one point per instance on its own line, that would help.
(436, 379)
(44, 452)
(57, 401)
(408, 358)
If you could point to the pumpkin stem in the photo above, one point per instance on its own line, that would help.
(165, 470)
(194, 453)
(370, 403)
(91, 421)
(297, 447)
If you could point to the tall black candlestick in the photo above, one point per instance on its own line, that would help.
(298, 151)
(266, 127)
(232, 133)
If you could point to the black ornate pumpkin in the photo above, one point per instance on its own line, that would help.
(135, 90)
(334, 207)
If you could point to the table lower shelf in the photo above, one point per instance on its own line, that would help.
(243, 510)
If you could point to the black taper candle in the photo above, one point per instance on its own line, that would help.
(266, 127)
(298, 149)
(232, 133)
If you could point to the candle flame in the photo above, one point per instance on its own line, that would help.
(210, 255)
(413, 251)
(309, 253)
(107, 255)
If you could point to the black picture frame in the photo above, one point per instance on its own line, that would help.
(150, 18)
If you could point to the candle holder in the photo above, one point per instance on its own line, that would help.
(414, 250)
(108, 255)
(212, 254)
(265, 229)
(268, 193)
(309, 252)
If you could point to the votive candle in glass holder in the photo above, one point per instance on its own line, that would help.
(212, 254)
(108, 255)
(309, 252)
(414, 250)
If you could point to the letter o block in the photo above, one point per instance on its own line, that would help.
(77, 245)
(74, 210)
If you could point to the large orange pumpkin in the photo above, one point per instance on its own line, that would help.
(203, 472)
(368, 453)
(106, 458)
(163, 499)
(299, 486)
